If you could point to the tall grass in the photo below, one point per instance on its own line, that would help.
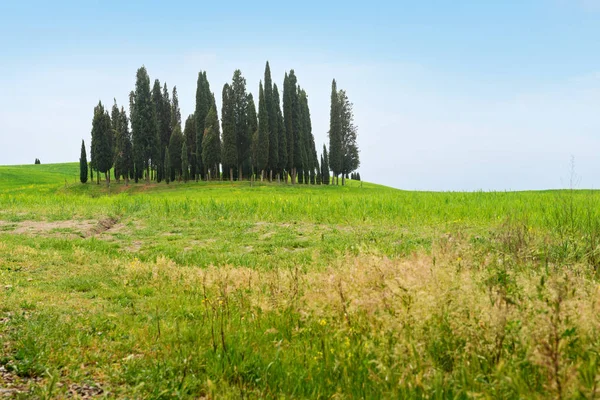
(226, 291)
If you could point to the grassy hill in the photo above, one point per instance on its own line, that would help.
(228, 290)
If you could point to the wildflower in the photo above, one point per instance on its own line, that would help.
(323, 322)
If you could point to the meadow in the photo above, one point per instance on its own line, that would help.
(220, 290)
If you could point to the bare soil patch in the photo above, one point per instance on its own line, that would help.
(68, 228)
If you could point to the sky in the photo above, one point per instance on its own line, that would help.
(448, 95)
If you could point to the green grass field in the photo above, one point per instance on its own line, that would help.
(220, 290)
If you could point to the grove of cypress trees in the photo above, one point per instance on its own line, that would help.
(229, 152)
(211, 143)
(83, 165)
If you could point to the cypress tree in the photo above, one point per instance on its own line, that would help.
(349, 147)
(211, 143)
(240, 118)
(123, 148)
(320, 172)
(91, 172)
(263, 135)
(165, 123)
(185, 166)
(101, 145)
(175, 155)
(273, 162)
(325, 166)
(281, 136)
(251, 129)
(157, 105)
(229, 152)
(204, 101)
(83, 165)
(143, 125)
(309, 152)
(114, 132)
(299, 149)
(288, 97)
(189, 132)
(167, 165)
(335, 134)
(115, 119)
(175, 112)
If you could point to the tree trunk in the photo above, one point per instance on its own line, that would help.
(343, 179)
(271, 176)
(231, 174)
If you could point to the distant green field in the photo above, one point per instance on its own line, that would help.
(228, 290)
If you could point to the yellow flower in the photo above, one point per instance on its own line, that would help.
(323, 322)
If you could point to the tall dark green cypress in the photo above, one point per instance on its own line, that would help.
(240, 119)
(165, 121)
(299, 150)
(325, 166)
(175, 112)
(167, 166)
(157, 104)
(229, 152)
(288, 100)
(123, 148)
(185, 165)
(143, 125)
(101, 143)
(335, 133)
(262, 156)
(83, 165)
(281, 136)
(189, 132)
(349, 155)
(211, 143)
(204, 101)
(273, 162)
(252, 134)
(115, 119)
(175, 156)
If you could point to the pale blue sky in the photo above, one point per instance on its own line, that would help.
(448, 95)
